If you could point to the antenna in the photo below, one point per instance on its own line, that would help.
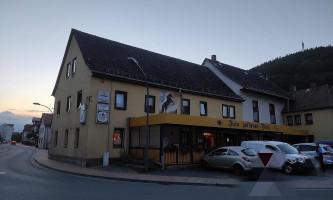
(302, 46)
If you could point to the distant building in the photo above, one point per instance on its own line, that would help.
(28, 128)
(311, 109)
(44, 136)
(6, 131)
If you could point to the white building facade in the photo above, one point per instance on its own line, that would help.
(6, 131)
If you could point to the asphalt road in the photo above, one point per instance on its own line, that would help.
(22, 178)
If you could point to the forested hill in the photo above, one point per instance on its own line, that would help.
(301, 68)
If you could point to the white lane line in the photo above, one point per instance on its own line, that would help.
(2, 173)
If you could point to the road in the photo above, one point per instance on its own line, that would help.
(22, 178)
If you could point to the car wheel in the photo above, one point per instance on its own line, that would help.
(288, 169)
(238, 169)
(204, 164)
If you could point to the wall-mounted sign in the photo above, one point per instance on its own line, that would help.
(102, 114)
(168, 102)
(103, 97)
(83, 114)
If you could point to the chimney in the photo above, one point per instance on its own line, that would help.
(313, 86)
(213, 58)
(292, 88)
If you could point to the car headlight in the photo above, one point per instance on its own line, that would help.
(300, 160)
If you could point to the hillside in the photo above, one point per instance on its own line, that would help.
(300, 68)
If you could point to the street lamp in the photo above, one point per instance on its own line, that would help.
(38, 104)
(135, 62)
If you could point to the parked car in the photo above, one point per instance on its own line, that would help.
(238, 159)
(309, 149)
(327, 142)
(13, 142)
(280, 155)
(5, 142)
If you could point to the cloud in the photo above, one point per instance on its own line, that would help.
(18, 120)
(34, 111)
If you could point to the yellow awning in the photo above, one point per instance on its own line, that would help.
(213, 122)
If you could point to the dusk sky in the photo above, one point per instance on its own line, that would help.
(242, 33)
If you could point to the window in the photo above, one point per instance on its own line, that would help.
(203, 108)
(272, 113)
(308, 148)
(68, 105)
(77, 136)
(308, 119)
(232, 114)
(232, 153)
(74, 67)
(151, 104)
(255, 111)
(290, 120)
(56, 138)
(120, 101)
(118, 137)
(79, 99)
(225, 113)
(186, 106)
(66, 139)
(297, 119)
(58, 108)
(185, 138)
(68, 70)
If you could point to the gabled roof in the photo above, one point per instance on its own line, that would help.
(318, 97)
(28, 128)
(107, 58)
(47, 117)
(250, 81)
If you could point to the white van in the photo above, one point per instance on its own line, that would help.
(280, 155)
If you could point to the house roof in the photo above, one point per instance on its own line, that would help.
(28, 128)
(250, 81)
(47, 117)
(318, 97)
(109, 59)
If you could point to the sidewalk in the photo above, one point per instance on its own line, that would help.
(41, 157)
(126, 174)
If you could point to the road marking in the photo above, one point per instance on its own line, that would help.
(2, 173)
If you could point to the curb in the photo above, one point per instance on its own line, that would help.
(162, 182)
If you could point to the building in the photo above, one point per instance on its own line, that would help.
(44, 135)
(28, 129)
(311, 109)
(6, 131)
(263, 101)
(100, 106)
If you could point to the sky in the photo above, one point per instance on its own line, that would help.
(241, 33)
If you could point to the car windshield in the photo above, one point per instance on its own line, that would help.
(287, 149)
(249, 152)
(328, 148)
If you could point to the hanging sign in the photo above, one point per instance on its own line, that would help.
(102, 114)
(83, 114)
(103, 97)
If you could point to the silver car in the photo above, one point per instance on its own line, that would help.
(238, 159)
(309, 149)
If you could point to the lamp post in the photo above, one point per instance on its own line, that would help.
(38, 104)
(135, 62)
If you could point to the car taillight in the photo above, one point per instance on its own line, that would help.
(246, 159)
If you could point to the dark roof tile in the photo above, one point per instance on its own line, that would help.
(108, 57)
(309, 99)
(250, 80)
